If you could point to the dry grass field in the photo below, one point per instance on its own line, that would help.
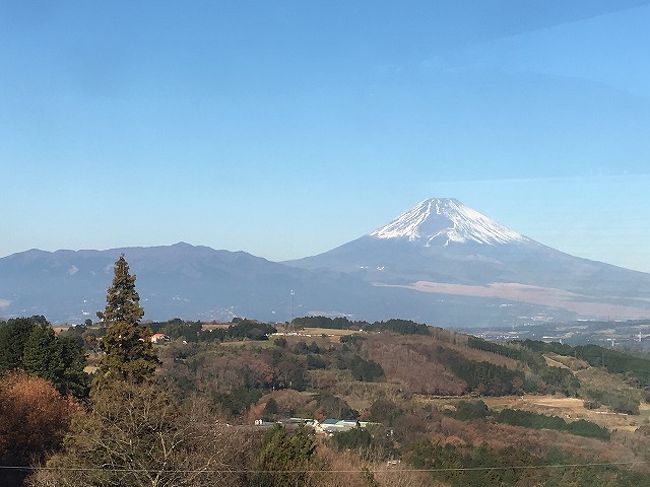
(328, 332)
(596, 378)
(214, 326)
(553, 362)
(569, 408)
(572, 363)
(247, 343)
(322, 336)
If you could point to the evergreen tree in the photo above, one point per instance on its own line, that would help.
(39, 356)
(68, 366)
(13, 337)
(283, 458)
(270, 410)
(31, 344)
(129, 353)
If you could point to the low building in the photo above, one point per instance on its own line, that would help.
(262, 424)
(338, 425)
(329, 426)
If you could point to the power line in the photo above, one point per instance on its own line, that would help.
(424, 470)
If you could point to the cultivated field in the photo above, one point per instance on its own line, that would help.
(569, 408)
(322, 336)
(214, 326)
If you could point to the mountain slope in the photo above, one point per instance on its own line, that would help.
(440, 262)
(195, 282)
(443, 247)
(178, 280)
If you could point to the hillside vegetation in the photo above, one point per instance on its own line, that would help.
(434, 399)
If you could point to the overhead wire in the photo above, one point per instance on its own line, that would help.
(393, 470)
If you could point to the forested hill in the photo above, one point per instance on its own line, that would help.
(424, 398)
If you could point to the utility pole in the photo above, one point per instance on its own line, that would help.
(292, 293)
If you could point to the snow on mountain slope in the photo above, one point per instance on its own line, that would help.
(444, 241)
(438, 221)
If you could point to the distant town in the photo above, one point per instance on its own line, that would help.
(628, 335)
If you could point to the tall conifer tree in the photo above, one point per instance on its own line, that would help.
(129, 352)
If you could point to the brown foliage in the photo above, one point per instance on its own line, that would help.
(224, 372)
(288, 402)
(419, 373)
(33, 418)
(414, 361)
(323, 379)
(345, 469)
(536, 442)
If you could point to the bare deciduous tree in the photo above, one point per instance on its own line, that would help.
(136, 435)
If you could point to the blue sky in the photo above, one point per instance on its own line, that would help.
(287, 128)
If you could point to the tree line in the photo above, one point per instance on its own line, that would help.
(398, 326)
(30, 344)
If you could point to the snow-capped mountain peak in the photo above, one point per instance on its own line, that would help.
(441, 221)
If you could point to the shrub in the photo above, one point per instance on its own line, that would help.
(384, 411)
(283, 458)
(615, 400)
(356, 438)
(316, 362)
(330, 406)
(466, 410)
(34, 418)
(540, 421)
(270, 410)
(483, 377)
(280, 342)
(366, 370)
(238, 400)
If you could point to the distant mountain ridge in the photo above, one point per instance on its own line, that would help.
(177, 280)
(439, 262)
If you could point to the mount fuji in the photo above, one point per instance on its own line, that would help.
(445, 248)
(436, 220)
(440, 262)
